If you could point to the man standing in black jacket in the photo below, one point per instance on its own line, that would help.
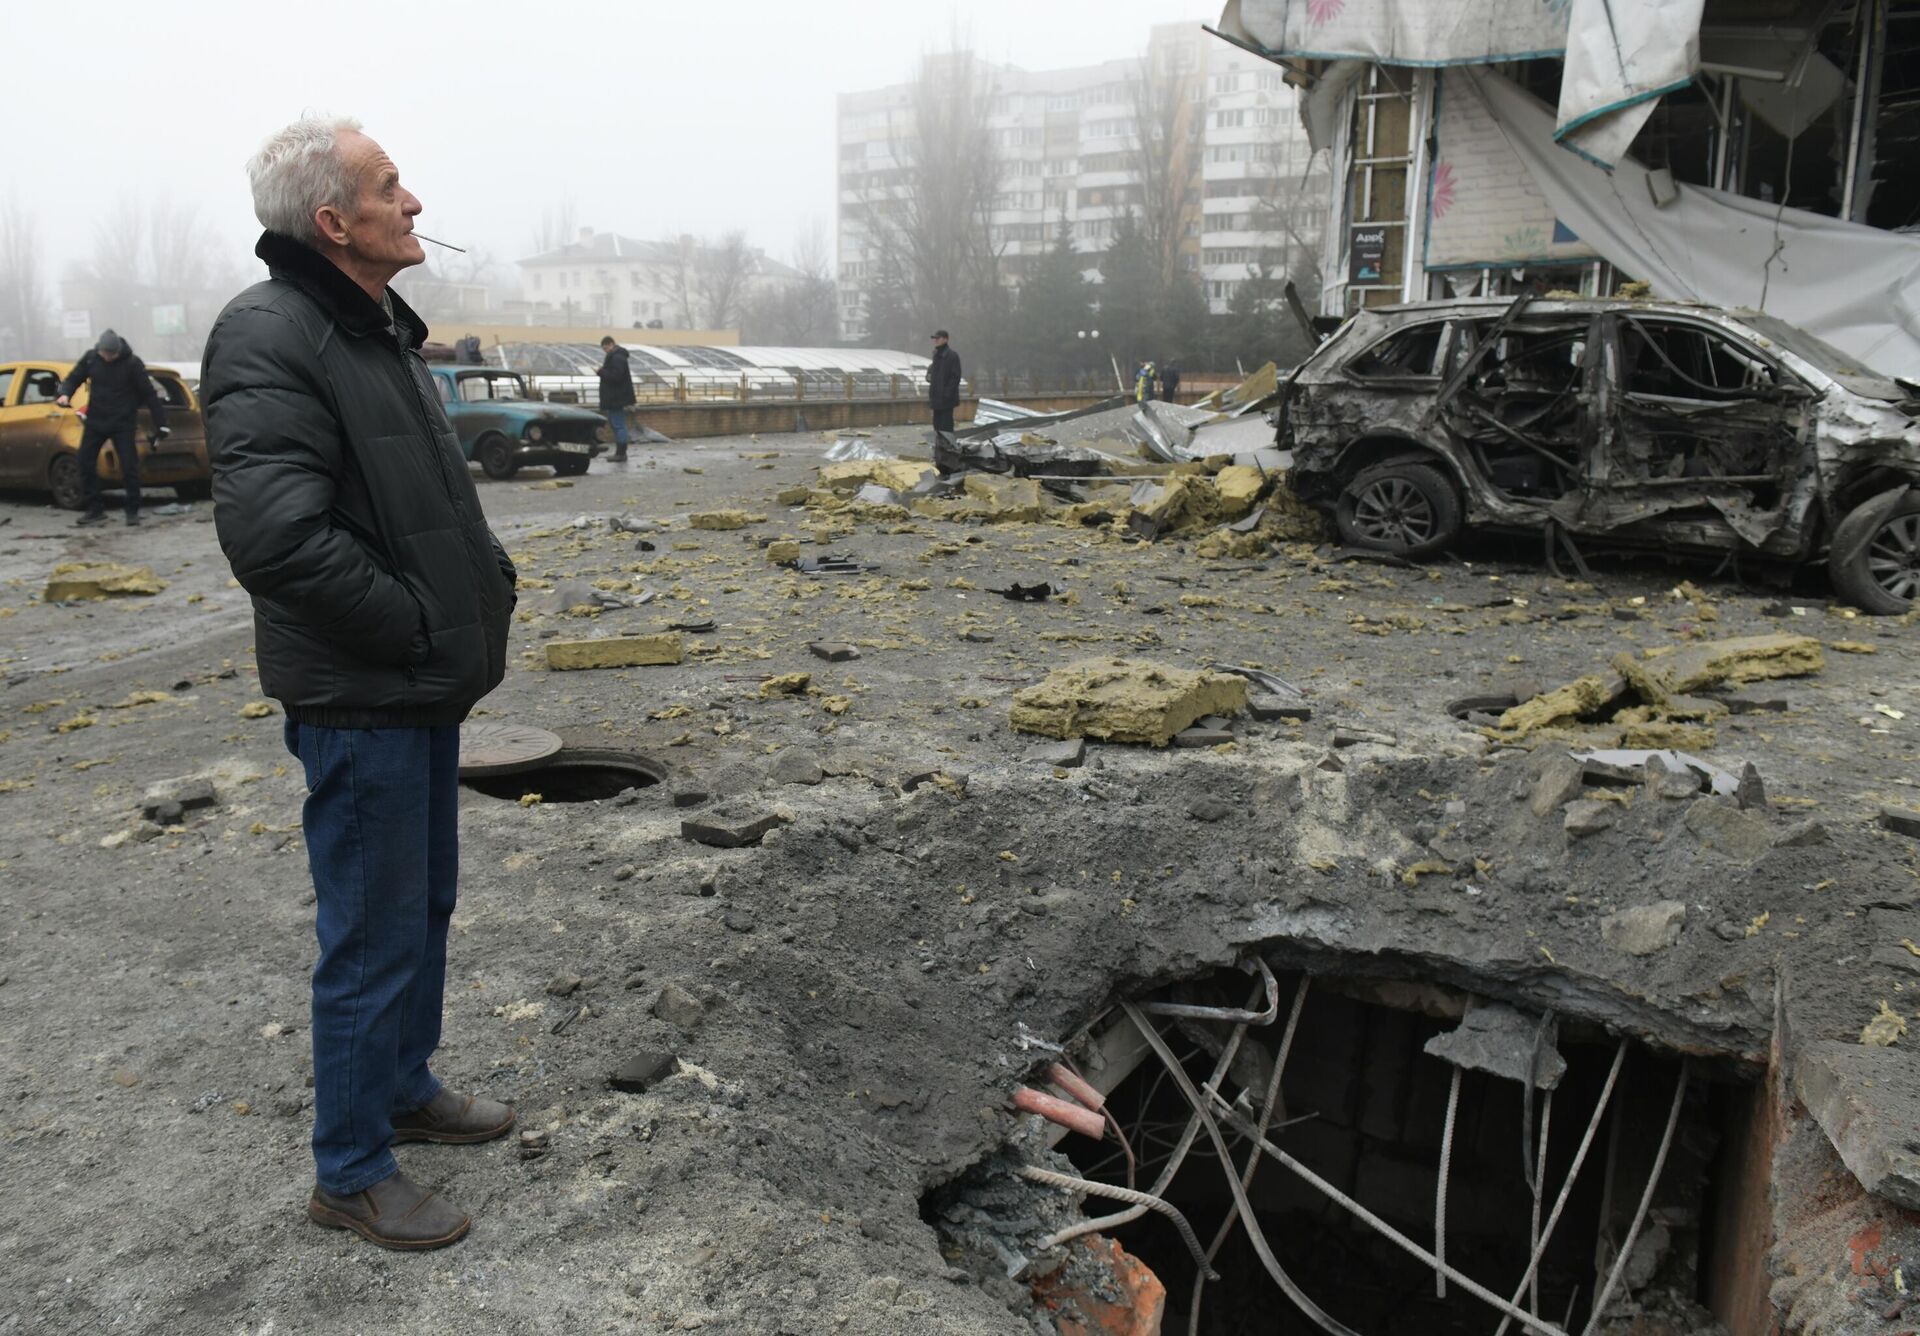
(381, 605)
(616, 393)
(943, 383)
(121, 387)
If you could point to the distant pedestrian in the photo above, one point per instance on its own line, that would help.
(943, 383)
(1144, 381)
(120, 388)
(616, 393)
(1169, 382)
(381, 606)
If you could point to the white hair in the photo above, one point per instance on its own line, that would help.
(299, 170)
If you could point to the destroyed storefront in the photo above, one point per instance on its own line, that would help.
(1733, 153)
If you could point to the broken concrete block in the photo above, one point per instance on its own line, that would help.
(1239, 487)
(1007, 500)
(1068, 755)
(164, 813)
(1590, 816)
(1560, 781)
(1867, 1100)
(1720, 825)
(690, 794)
(1124, 700)
(1802, 836)
(978, 636)
(98, 579)
(792, 496)
(564, 985)
(1596, 771)
(833, 651)
(179, 796)
(1348, 736)
(723, 519)
(730, 830)
(785, 552)
(1267, 708)
(1209, 810)
(1644, 929)
(1666, 781)
(643, 1070)
(795, 767)
(677, 1006)
(1500, 1040)
(616, 651)
(1744, 659)
(1198, 736)
(1900, 821)
(1751, 792)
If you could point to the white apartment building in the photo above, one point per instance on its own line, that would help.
(1068, 143)
(604, 278)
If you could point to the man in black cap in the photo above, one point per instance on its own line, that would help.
(943, 383)
(121, 386)
(616, 393)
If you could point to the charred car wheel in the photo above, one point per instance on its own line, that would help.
(571, 467)
(63, 480)
(1410, 510)
(496, 457)
(1876, 565)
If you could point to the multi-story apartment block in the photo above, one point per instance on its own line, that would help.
(1068, 146)
(604, 278)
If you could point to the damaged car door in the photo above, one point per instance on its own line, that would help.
(1703, 442)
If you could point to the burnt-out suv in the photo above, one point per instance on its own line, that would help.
(1631, 423)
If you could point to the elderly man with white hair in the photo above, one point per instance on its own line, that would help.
(381, 608)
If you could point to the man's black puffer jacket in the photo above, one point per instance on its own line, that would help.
(343, 502)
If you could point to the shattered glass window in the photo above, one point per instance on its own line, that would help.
(1675, 360)
(483, 386)
(1414, 351)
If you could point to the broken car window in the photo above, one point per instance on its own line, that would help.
(1411, 352)
(474, 388)
(1675, 360)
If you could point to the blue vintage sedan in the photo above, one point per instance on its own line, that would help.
(504, 427)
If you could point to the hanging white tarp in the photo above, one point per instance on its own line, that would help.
(1621, 55)
(1854, 286)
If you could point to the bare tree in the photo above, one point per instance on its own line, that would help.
(928, 218)
(441, 286)
(557, 227)
(801, 311)
(681, 285)
(721, 272)
(181, 248)
(119, 244)
(1166, 153)
(24, 319)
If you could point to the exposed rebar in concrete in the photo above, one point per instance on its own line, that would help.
(1035, 1174)
(1440, 1191)
(1646, 1201)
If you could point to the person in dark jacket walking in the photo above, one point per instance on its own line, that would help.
(121, 387)
(381, 607)
(943, 383)
(616, 394)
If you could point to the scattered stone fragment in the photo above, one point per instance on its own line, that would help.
(1590, 816)
(1863, 1097)
(677, 1006)
(1901, 822)
(635, 979)
(1751, 792)
(738, 918)
(534, 1143)
(1348, 736)
(616, 652)
(977, 636)
(256, 709)
(1067, 755)
(179, 795)
(1560, 781)
(624, 872)
(723, 519)
(643, 1070)
(795, 767)
(833, 651)
(1505, 1042)
(784, 552)
(165, 813)
(1209, 810)
(729, 831)
(785, 684)
(1666, 781)
(1124, 700)
(690, 794)
(1596, 771)
(1803, 835)
(1202, 737)
(1720, 825)
(1644, 929)
(99, 579)
(792, 496)
(1267, 708)
(563, 985)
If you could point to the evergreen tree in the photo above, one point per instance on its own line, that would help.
(1055, 306)
(1258, 327)
(1130, 294)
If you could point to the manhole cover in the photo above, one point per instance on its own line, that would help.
(504, 749)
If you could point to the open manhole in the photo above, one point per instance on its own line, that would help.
(513, 761)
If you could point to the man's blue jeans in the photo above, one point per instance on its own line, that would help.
(382, 841)
(618, 417)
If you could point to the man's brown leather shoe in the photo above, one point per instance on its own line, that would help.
(396, 1213)
(454, 1120)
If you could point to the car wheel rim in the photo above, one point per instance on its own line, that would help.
(1394, 511)
(1893, 557)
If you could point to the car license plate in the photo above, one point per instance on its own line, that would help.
(575, 448)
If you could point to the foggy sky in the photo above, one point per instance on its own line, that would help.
(655, 118)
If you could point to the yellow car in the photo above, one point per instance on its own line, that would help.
(40, 441)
